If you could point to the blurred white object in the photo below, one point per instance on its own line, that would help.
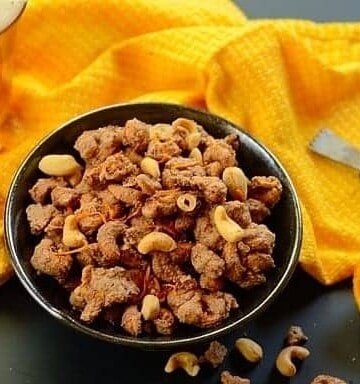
(10, 10)
(327, 144)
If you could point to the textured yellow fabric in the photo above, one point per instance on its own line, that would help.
(280, 80)
(356, 282)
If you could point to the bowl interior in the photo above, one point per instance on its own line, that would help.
(285, 221)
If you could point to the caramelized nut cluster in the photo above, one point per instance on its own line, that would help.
(151, 225)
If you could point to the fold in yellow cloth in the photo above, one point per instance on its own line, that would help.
(280, 80)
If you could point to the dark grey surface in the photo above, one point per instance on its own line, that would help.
(318, 10)
(35, 348)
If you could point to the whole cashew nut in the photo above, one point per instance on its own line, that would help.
(186, 202)
(193, 136)
(59, 165)
(156, 241)
(150, 307)
(150, 166)
(284, 362)
(185, 360)
(189, 125)
(251, 350)
(72, 237)
(228, 228)
(236, 181)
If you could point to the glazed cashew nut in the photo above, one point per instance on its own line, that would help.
(193, 136)
(156, 241)
(185, 360)
(161, 132)
(284, 362)
(196, 155)
(186, 202)
(59, 165)
(150, 308)
(72, 237)
(236, 181)
(228, 228)
(189, 125)
(150, 166)
(249, 349)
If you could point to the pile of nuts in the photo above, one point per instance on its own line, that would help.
(252, 352)
(154, 227)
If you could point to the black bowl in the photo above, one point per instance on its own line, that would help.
(254, 158)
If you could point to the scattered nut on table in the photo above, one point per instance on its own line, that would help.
(248, 348)
(214, 355)
(325, 379)
(284, 361)
(295, 336)
(227, 378)
(184, 360)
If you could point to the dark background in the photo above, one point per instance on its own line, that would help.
(319, 10)
(35, 348)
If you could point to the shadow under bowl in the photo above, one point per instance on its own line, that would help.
(254, 159)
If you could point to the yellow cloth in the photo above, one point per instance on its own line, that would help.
(280, 80)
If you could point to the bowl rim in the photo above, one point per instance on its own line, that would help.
(139, 342)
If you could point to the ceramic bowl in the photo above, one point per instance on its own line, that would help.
(254, 158)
